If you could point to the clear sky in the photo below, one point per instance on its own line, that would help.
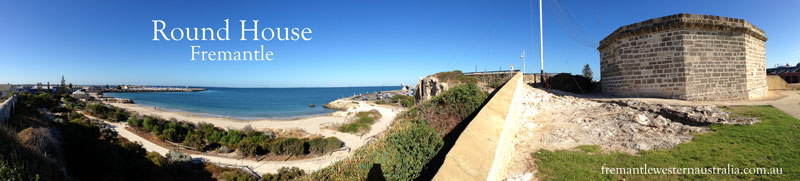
(355, 43)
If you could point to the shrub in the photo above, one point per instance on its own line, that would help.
(455, 76)
(41, 141)
(148, 123)
(133, 122)
(284, 174)
(408, 151)
(496, 83)
(236, 175)
(567, 82)
(445, 111)
(169, 134)
(405, 101)
(248, 146)
(291, 146)
(363, 122)
(178, 157)
(194, 140)
(332, 144)
(316, 145)
(323, 145)
(156, 158)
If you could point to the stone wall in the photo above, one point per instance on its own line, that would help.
(480, 153)
(429, 87)
(685, 56)
(7, 108)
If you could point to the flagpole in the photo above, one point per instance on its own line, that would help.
(541, 41)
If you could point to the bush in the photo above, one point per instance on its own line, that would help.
(248, 146)
(567, 82)
(455, 76)
(363, 122)
(148, 123)
(133, 122)
(320, 145)
(496, 83)
(194, 140)
(445, 111)
(237, 175)
(408, 151)
(169, 134)
(405, 101)
(156, 158)
(232, 137)
(178, 157)
(291, 146)
(284, 174)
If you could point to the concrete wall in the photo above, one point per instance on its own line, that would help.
(7, 108)
(479, 152)
(685, 56)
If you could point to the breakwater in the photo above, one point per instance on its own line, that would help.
(155, 89)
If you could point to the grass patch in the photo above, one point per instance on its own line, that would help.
(772, 143)
(364, 120)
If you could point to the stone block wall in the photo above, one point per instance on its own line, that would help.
(685, 56)
(7, 108)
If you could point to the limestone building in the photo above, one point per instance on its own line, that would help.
(685, 56)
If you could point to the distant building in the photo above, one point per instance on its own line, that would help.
(80, 94)
(5, 89)
(788, 73)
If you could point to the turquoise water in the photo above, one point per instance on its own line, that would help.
(250, 103)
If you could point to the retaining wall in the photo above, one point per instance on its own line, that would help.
(7, 108)
(480, 151)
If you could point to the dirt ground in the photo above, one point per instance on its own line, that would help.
(556, 120)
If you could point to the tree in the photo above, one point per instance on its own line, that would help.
(587, 72)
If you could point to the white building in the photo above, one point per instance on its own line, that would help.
(5, 89)
(80, 95)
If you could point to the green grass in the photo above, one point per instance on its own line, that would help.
(363, 122)
(772, 143)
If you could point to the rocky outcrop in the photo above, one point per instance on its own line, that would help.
(428, 87)
(341, 104)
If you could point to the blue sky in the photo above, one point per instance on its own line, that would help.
(355, 43)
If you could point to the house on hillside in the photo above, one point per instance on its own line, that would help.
(5, 89)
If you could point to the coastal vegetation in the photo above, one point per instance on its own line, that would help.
(414, 139)
(363, 121)
(769, 144)
(571, 83)
(66, 145)
(404, 100)
(284, 174)
(248, 142)
(455, 76)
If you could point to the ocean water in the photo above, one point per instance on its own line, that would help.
(250, 103)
